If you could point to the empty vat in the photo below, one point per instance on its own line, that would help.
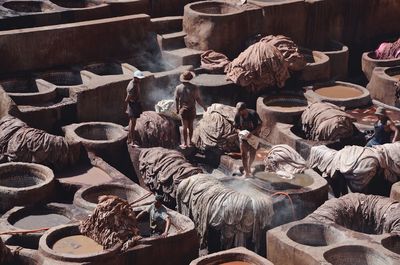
(315, 235)
(369, 62)
(338, 59)
(355, 255)
(382, 85)
(28, 6)
(392, 243)
(29, 91)
(65, 78)
(105, 69)
(317, 67)
(24, 183)
(74, 4)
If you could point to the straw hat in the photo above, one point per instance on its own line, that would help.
(380, 111)
(186, 76)
(138, 74)
(240, 106)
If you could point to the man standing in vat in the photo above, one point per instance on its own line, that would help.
(248, 125)
(383, 129)
(134, 107)
(186, 96)
(160, 221)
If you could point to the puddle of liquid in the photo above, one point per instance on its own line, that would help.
(36, 221)
(236, 263)
(77, 245)
(338, 91)
(286, 104)
(272, 181)
(261, 154)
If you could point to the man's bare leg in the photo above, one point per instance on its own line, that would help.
(245, 158)
(185, 124)
(131, 134)
(252, 156)
(190, 124)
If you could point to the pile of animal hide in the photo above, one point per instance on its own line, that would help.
(238, 216)
(388, 50)
(369, 214)
(112, 223)
(389, 160)
(261, 65)
(163, 169)
(326, 122)
(154, 129)
(21, 143)
(289, 50)
(214, 62)
(6, 256)
(283, 158)
(216, 129)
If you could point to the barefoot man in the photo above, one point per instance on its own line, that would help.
(134, 108)
(186, 96)
(247, 120)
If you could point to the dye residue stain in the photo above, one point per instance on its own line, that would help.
(338, 91)
(36, 221)
(77, 245)
(396, 76)
(236, 263)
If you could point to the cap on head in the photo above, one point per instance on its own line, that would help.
(159, 197)
(380, 111)
(240, 106)
(138, 74)
(186, 76)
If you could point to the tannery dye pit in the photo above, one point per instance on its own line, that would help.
(194, 132)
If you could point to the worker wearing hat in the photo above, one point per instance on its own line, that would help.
(134, 107)
(383, 129)
(247, 119)
(186, 96)
(160, 221)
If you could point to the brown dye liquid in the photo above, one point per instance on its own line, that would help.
(41, 220)
(338, 91)
(236, 263)
(77, 245)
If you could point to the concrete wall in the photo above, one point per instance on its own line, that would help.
(68, 44)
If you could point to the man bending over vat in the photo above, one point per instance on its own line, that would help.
(160, 221)
(186, 96)
(247, 123)
(134, 108)
(383, 129)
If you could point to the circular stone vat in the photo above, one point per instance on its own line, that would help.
(338, 58)
(103, 69)
(24, 183)
(65, 243)
(283, 108)
(369, 62)
(317, 67)
(97, 135)
(382, 85)
(212, 25)
(74, 4)
(36, 217)
(342, 94)
(392, 243)
(355, 255)
(315, 235)
(29, 91)
(87, 198)
(272, 181)
(28, 6)
(64, 78)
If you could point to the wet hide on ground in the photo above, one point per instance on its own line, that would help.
(216, 130)
(284, 158)
(369, 214)
(163, 169)
(154, 129)
(236, 215)
(326, 122)
(260, 66)
(214, 62)
(21, 143)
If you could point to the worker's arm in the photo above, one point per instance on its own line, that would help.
(167, 226)
(394, 128)
(128, 98)
(141, 214)
(199, 100)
